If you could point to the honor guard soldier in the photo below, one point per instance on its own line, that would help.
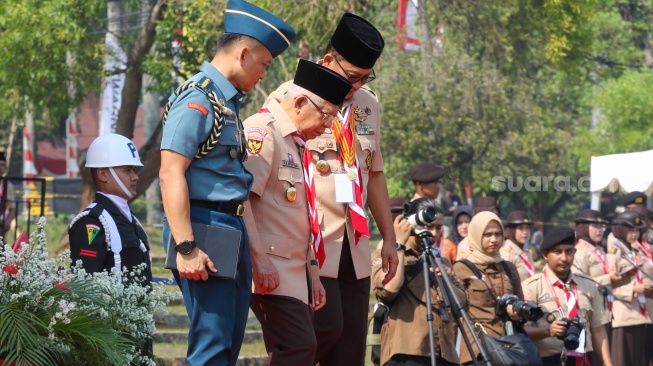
(573, 331)
(427, 180)
(348, 173)
(518, 231)
(203, 179)
(631, 313)
(283, 224)
(106, 234)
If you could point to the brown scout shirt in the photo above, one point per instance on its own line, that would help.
(283, 226)
(592, 309)
(587, 261)
(481, 302)
(407, 331)
(626, 312)
(462, 250)
(333, 216)
(512, 253)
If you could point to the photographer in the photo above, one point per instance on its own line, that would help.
(485, 239)
(575, 324)
(405, 336)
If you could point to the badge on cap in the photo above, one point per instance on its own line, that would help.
(639, 200)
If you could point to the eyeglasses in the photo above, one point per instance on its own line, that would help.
(326, 118)
(354, 79)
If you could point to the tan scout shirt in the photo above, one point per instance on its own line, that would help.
(512, 253)
(626, 312)
(275, 161)
(481, 302)
(592, 309)
(407, 330)
(333, 216)
(588, 262)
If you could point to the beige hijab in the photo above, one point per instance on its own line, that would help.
(477, 226)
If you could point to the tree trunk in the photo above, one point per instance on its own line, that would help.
(426, 50)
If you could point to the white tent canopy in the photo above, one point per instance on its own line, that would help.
(626, 172)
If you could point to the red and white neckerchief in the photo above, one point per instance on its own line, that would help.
(571, 300)
(529, 267)
(342, 130)
(606, 269)
(645, 248)
(309, 183)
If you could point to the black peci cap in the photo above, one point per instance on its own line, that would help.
(321, 81)
(357, 41)
(589, 217)
(635, 197)
(426, 172)
(558, 236)
(630, 219)
(517, 218)
(397, 205)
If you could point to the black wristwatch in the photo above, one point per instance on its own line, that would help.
(185, 247)
(401, 247)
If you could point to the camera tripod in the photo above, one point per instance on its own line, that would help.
(431, 258)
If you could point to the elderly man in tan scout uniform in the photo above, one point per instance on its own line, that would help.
(518, 231)
(348, 174)
(564, 294)
(283, 221)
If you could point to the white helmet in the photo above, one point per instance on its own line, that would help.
(112, 150)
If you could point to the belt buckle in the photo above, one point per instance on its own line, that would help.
(240, 210)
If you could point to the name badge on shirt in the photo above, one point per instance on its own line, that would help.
(344, 188)
(229, 120)
(290, 164)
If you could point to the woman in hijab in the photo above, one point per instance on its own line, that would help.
(460, 220)
(485, 239)
(590, 259)
(632, 332)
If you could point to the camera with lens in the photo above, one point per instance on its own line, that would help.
(525, 310)
(422, 218)
(571, 338)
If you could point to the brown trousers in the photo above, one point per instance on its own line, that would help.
(341, 325)
(632, 345)
(287, 325)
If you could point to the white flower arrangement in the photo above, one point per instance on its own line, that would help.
(52, 314)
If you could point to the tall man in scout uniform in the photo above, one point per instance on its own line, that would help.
(564, 294)
(282, 193)
(427, 180)
(208, 185)
(348, 173)
(518, 231)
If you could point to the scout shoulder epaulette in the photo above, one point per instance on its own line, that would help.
(533, 278)
(219, 111)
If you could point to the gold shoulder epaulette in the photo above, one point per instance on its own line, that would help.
(533, 278)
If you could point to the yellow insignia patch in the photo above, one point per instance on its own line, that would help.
(639, 200)
(91, 232)
(205, 83)
(254, 146)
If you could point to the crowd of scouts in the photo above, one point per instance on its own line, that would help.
(604, 280)
(293, 183)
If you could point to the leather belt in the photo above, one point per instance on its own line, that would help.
(236, 208)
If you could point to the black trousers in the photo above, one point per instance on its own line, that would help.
(410, 360)
(571, 361)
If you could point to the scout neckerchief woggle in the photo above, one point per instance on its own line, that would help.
(316, 233)
(347, 143)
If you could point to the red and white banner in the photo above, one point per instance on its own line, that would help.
(407, 25)
(72, 169)
(113, 83)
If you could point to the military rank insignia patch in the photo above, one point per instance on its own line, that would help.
(91, 232)
(359, 114)
(199, 107)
